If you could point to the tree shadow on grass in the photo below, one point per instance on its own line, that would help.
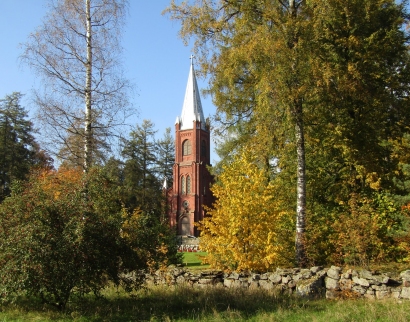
(187, 303)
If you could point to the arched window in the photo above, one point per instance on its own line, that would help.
(188, 184)
(186, 147)
(203, 148)
(183, 185)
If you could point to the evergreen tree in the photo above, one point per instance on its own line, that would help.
(71, 153)
(18, 148)
(322, 82)
(165, 157)
(142, 186)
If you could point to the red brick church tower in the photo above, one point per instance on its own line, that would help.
(190, 191)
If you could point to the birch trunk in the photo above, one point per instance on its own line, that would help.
(301, 193)
(88, 66)
(297, 109)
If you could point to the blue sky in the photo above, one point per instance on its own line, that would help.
(155, 59)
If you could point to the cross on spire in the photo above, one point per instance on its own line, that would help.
(192, 59)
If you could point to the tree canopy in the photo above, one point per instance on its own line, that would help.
(316, 88)
(83, 93)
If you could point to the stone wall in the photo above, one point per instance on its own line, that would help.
(316, 282)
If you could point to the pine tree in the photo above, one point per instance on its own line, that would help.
(322, 82)
(165, 157)
(18, 148)
(141, 183)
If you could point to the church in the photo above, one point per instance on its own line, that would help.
(191, 178)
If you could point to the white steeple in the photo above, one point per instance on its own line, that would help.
(192, 108)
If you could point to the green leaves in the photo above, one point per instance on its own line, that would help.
(55, 239)
(324, 82)
(18, 149)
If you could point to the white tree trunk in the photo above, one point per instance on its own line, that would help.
(301, 194)
(88, 116)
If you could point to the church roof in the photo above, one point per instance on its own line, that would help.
(192, 108)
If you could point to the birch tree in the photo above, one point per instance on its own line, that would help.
(76, 53)
(286, 71)
(255, 52)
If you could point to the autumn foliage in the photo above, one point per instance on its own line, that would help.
(64, 232)
(242, 231)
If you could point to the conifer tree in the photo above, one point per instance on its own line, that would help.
(141, 183)
(18, 149)
(321, 78)
(165, 150)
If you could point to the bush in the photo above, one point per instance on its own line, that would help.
(60, 232)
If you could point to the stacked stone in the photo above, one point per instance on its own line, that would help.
(180, 276)
(306, 282)
(314, 282)
(363, 283)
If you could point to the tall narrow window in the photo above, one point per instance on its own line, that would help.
(186, 147)
(203, 148)
(183, 185)
(188, 184)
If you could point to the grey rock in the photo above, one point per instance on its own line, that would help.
(180, 280)
(380, 279)
(347, 274)
(361, 281)
(306, 273)
(275, 278)
(334, 272)
(206, 281)
(381, 287)
(331, 284)
(265, 276)
(292, 284)
(228, 283)
(316, 269)
(234, 276)
(405, 293)
(405, 276)
(365, 274)
(266, 285)
(359, 289)
(382, 295)
(321, 273)
(284, 272)
(312, 288)
(345, 284)
(286, 279)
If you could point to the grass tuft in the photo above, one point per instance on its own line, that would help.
(185, 303)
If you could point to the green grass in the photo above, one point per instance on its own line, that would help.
(218, 304)
(194, 260)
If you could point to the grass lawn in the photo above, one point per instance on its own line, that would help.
(194, 260)
(187, 303)
(217, 304)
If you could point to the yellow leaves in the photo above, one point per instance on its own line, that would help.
(241, 231)
(373, 180)
(130, 223)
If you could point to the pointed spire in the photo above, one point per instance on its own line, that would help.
(192, 108)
